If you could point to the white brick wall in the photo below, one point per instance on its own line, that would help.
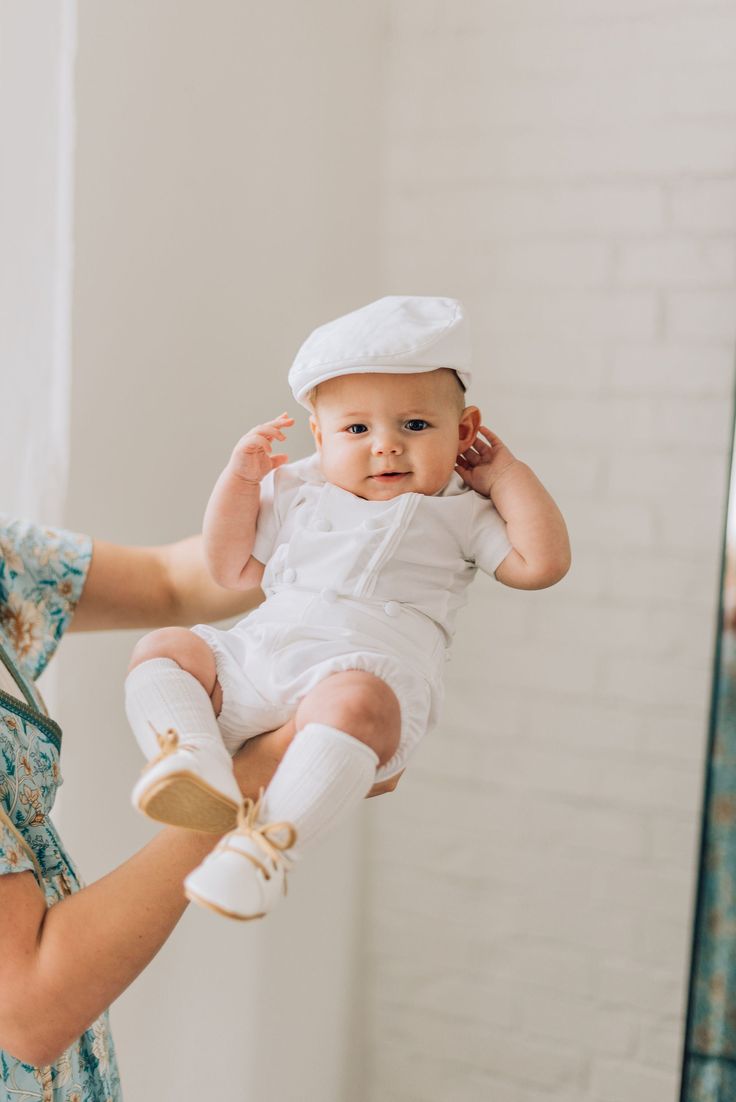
(568, 167)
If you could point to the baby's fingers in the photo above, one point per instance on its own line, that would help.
(491, 437)
(262, 436)
(283, 421)
(469, 458)
(272, 430)
(255, 442)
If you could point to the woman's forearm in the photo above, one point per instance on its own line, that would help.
(62, 966)
(65, 965)
(147, 587)
(94, 943)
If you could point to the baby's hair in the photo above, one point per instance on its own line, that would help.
(459, 391)
(311, 396)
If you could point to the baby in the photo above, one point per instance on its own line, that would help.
(364, 551)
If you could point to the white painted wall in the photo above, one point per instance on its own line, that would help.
(36, 158)
(226, 201)
(569, 169)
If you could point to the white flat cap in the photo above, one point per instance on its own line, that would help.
(396, 334)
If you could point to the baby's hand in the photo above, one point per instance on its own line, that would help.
(252, 459)
(482, 465)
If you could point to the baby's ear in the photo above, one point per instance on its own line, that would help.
(316, 431)
(468, 428)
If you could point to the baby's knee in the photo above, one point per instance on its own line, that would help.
(374, 716)
(360, 704)
(180, 645)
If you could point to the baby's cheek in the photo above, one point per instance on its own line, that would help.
(440, 474)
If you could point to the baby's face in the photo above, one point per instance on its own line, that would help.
(381, 435)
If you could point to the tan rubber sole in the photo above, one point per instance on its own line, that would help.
(220, 910)
(183, 799)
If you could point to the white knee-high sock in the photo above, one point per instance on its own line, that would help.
(323, 774)
(160, 693)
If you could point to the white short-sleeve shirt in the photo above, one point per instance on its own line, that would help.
(413, 552)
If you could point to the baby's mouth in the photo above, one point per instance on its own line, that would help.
(387, 476)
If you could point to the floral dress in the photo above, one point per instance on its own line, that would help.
(42, 574)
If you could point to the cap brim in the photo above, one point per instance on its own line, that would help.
(374, 369)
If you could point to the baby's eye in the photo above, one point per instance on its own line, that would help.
(416, 424)
(356, 429)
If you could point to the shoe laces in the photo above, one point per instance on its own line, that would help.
(271, 838)
(168, 743)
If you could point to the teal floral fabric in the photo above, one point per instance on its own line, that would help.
(709, 1072)
(42, 574)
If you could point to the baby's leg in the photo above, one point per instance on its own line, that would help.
(170, 706)
(359, 703)
(346, 727)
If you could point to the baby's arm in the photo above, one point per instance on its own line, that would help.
(540, 554)
(232, 512)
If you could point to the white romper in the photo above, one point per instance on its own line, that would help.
(352, 584)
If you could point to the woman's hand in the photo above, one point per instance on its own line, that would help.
(382, 787)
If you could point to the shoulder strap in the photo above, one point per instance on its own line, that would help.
(8, 684)
(13, 682)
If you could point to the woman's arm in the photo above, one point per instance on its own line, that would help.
(61, 967)
(146, 587)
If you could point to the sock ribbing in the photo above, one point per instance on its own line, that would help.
(324, 773)
(160, 694)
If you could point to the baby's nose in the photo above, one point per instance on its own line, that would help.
(386, 444)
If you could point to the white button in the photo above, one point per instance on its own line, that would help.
(392, 608)
(329, 595)
(322, 524)
(290, 574)
(448, 656)
(373, 522)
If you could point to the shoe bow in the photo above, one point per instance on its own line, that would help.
(168, 743)
(272, 838)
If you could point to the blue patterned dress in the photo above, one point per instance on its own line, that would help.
(42, 574)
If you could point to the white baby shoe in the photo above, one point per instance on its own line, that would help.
(245, 875)
(189, 784)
